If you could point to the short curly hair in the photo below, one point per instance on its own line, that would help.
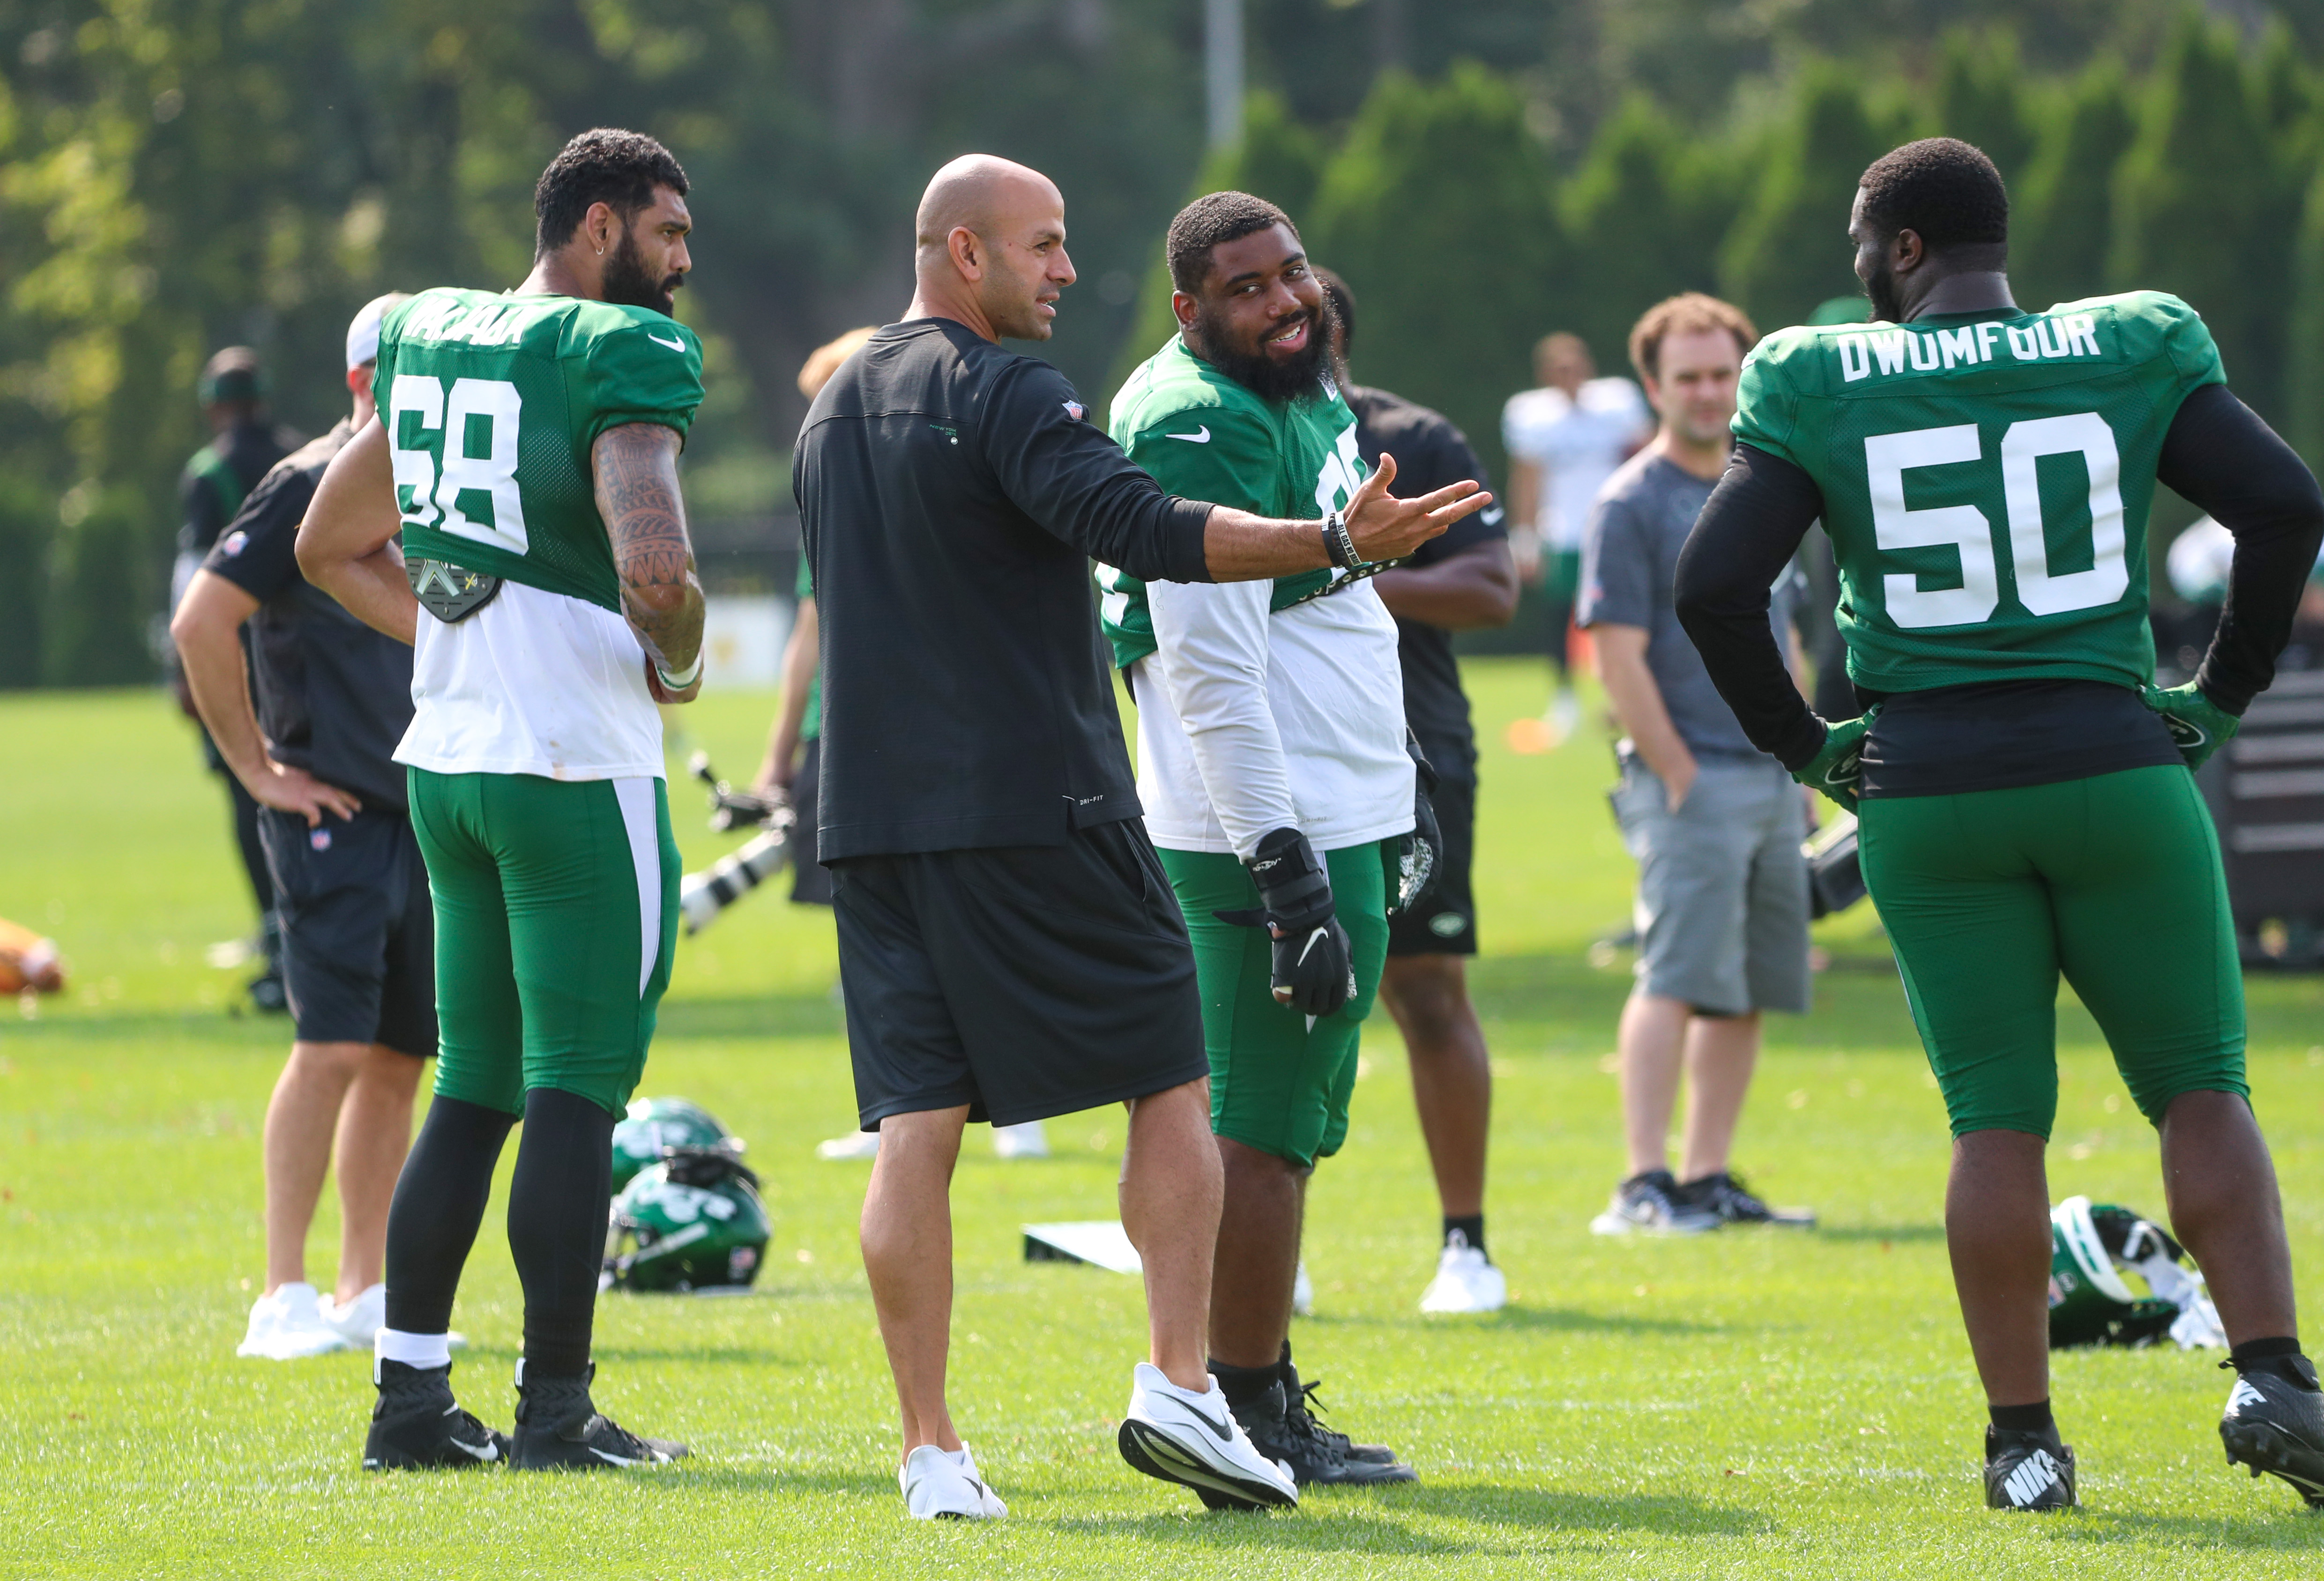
(604, 165)
(1210, 223)
(1944, 190)
(1688, 313)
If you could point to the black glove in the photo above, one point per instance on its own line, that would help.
(1312, 970)
(1419, 854)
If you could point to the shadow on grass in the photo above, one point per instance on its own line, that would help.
(763, 1015)
(1882, 1232)
(1331, 1520)
(1517, 1315)
(2287, 1526)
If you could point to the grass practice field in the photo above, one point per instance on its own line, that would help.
(1748, 1404)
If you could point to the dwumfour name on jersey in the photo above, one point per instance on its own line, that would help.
(1892, 353)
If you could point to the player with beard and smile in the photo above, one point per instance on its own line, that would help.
(1273, 770)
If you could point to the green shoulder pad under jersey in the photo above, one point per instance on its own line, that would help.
(1987, 479)
(492, 403)
(1204, 437)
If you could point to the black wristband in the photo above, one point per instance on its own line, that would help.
(1339, 545)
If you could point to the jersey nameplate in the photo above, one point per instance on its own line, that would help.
(449, 593)
(1894, 352)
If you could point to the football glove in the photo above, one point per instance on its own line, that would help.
(2198, 725)
(1312, 973)
(1837, 766)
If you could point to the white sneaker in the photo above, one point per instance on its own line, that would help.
(1024, 1141)
(1193, 1439)
(941, 1485)
(360, 1319)
(1303, 1291)
(1465, 1282)
(288, 1325)
(854, 1147)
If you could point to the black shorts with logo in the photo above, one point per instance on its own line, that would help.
(1445, 921)
(358, 930)
(1024, 981)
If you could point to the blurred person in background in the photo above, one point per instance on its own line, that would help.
(794, 765)
(317, 758)
(244, 444)
(1714, 823)
(1564, 439)
(1461, 582)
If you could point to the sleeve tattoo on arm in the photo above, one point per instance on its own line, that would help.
(636, 475)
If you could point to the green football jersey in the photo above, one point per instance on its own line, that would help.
(1987, 479)
(1204, 437)
(492, 403)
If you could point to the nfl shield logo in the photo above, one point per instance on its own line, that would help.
(321, 839)
(1077, 410)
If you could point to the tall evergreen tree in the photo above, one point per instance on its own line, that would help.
(1789, 250)
(2062, 215)
(1982, 98)
(2206, 208)
(1438, 211)
(1641, 217)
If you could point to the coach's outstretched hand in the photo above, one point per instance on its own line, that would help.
(2197, 726)
(1384, 527)
(1313, 972)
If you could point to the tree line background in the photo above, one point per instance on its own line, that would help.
(179, 175)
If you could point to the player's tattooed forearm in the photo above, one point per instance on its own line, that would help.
(636, 468)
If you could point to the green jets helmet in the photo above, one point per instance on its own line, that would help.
(693, 1221)
(2090, 1301)
(653, 1125)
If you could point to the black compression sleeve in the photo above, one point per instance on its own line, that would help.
(1746, 535)
(2223, 457)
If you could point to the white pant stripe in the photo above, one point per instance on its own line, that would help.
(636, 796)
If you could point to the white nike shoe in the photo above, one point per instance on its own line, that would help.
(941, 1485)
(1465, 1282)
(360, 1321)
(1193, 1439)
(287, 1326)
(855, 1145)
(1303, 1291)
(1025, 1141)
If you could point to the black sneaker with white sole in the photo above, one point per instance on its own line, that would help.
(1725, 1197)
(417, 1425)
(1653, 1204)
(1290, 1434)
(2274, 1423)
(1301, 1400)
(2028, 1471)
(558, 1428)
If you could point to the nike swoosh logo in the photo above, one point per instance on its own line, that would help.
(1225, 1435)
(1201, 435)
(488, 1452)
(1309, 948)
(676, 346)
(615, 1459)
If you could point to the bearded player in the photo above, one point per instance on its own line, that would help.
(526, 448)
(1273, 771)
(2027, 809)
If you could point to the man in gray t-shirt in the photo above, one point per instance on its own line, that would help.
(1714, 823)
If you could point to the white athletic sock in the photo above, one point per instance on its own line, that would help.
(413, 1350)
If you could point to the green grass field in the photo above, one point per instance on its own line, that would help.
(1762, 1403)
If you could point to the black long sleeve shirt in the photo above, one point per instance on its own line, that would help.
(952, 496)
(2217, 453)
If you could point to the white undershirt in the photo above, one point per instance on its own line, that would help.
(533, 683)
(1250, 721)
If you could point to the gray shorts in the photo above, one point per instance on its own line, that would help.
(1722, 906)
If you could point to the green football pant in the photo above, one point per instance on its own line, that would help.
(2115, 881)
(1277, 1084)
(555, 918)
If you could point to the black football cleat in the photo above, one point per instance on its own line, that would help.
(558, 1428)
(1289, 1434)
(2274, 1423)
(417, 1425)
(2028, 1471)
(1301, 1400)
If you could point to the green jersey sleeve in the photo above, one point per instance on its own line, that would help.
(644, 372)
(2187, 342)
(1213, 453)
(1767, 405)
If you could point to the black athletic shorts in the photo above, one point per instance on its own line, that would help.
(1444, 922)
(810, 879)
(1024, 981)
(358, 934)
